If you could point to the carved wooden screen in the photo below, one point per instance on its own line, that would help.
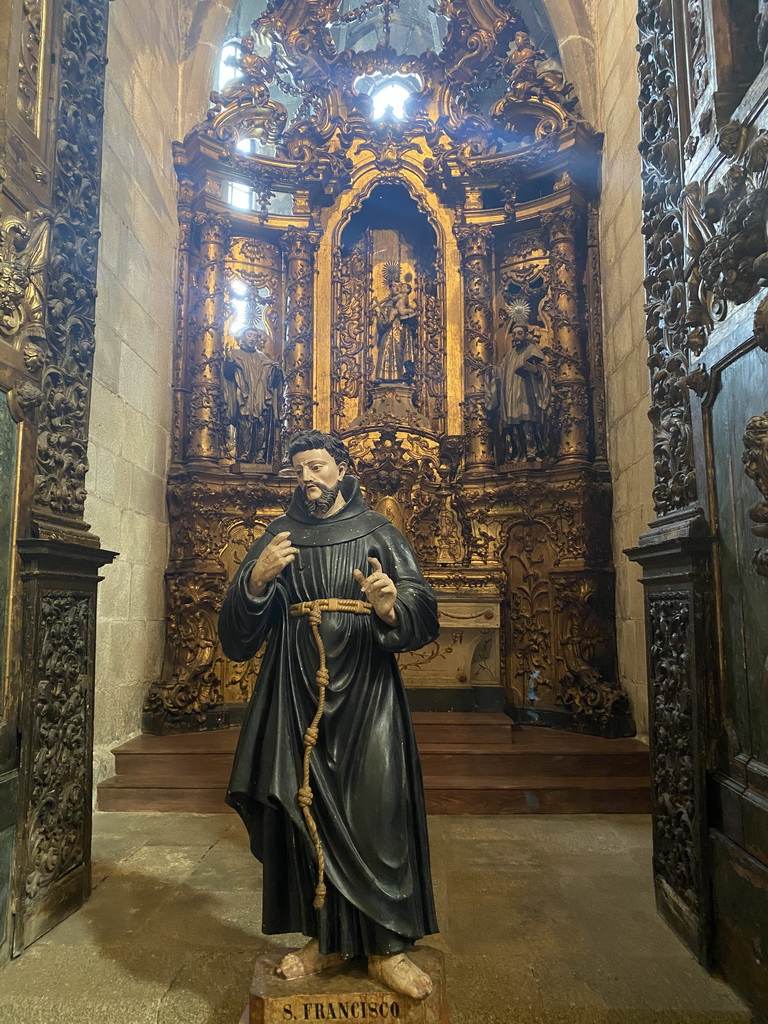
(705, 181)
(53, 58)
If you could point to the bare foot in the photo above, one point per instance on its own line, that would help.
(307, 960)
(400, 974)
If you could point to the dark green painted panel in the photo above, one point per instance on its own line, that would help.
(6, 859)
(9, 433)
(744, 393)
(741, 920)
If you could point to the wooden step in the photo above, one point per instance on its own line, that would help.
(458, 727)
(472, 763)
(520, 759)
(537, 795)
(454, 795)
(164, 793)
(437, 759)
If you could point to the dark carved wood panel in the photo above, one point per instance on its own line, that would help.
(662, 226)
(676, 854)
(50, 153)
(53, 852)
(61, 762)
(63, 432)
(705, 201)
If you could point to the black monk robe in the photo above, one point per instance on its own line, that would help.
(365, 772)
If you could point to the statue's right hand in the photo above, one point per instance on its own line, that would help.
(271, 562)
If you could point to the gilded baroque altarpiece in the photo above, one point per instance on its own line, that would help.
(383, 263)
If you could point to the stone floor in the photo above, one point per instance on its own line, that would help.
(546, 920)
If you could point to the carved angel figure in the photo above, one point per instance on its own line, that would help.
(23, 255)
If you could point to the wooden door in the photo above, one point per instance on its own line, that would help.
(52, 62)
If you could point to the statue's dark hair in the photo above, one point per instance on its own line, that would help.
(308, 440)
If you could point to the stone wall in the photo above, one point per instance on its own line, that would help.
(135, 322)
(161, 62)
(627, 376)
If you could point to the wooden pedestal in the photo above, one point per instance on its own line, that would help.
(346, 993)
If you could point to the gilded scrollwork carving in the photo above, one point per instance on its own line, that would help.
(299, 248)
(191, 682)
(529, 559)
(586, 645)
(476, 247)
(31, 39)
(61, 797)
(755, 460)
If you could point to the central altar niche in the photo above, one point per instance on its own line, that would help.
(388, 319)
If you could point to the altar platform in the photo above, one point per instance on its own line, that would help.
(473, 763)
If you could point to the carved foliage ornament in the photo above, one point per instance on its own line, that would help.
(672, 769)
(665, 274)
(63, 435)
(60, 772)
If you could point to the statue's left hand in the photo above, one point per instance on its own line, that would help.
(380, 591)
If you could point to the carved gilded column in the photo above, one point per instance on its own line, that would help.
(570, 381)
(180, 357)
(476, 247)
(299, 248)
(204, 431)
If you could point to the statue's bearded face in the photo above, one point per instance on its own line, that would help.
(319, 477)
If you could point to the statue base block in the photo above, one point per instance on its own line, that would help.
(344, 993)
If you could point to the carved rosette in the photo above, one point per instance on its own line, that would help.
(71, 296)
(568, 365)
(299, 248)
(664, 260)
(476, 247)
(672, 754)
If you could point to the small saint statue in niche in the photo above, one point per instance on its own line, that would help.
(521, 394)
(252, 385)
(396, 319)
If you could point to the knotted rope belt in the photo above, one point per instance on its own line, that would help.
(315, 609)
